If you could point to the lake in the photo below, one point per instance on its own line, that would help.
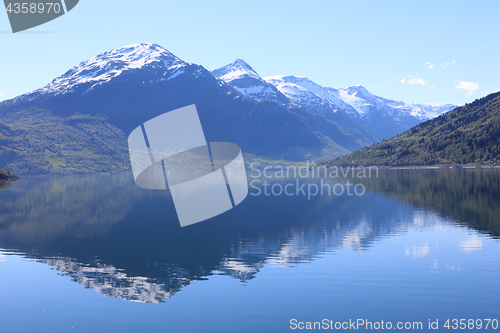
(99, 254)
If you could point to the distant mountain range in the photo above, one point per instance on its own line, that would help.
(80, 121)
(382, 117)
(467, 134)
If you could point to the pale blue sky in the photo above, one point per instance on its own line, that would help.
(415, 51)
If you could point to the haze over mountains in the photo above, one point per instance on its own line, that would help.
(80, 121)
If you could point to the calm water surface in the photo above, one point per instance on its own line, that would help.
(98, 254)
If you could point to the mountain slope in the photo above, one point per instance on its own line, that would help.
(467, 134)
(80, 121)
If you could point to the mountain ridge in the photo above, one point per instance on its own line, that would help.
(382, 117)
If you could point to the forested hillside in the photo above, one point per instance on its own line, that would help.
(467, 134)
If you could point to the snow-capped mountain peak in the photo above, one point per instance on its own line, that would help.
(357, 90)
(235, 70)
(357, 97)
(110, 64)
(136, 56)
(243, 78)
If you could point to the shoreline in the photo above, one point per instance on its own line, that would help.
(443, 166)
(9, 181)
(428, 167)
(406, 167)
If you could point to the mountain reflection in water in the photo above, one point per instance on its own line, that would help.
(126, 242)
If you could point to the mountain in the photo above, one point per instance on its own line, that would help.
(245, 79)
(352, 107)
(80, 121)
(386, 117)
(109, 65)
(366, 103)
(382, 117)
(467, 134)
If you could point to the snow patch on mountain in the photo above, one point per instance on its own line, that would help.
(423, 111)
(357, 97)
(306, 93)
(295, 92)
(366, 104)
